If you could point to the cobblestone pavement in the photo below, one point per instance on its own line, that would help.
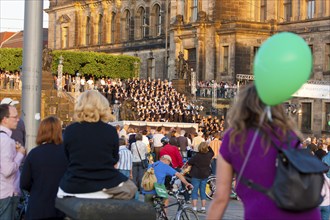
(234, 210)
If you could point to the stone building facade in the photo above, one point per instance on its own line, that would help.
(219, 38)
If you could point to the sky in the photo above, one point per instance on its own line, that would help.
(12, 15)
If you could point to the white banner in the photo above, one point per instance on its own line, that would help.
(193, 82)
(313, 91)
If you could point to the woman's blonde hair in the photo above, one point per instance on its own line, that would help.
(50, 131)
(203, 147)
(246, 113)
(92, 106)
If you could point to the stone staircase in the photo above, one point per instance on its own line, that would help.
(59, 104)
(47, 80)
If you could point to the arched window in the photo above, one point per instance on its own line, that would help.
(88, 30)
(156, 21)
(100, 29)
(113, 27)
(127, 25)
(141, 23)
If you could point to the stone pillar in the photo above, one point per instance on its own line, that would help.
(200, 56)
(180, 7)
(319, 8)
(210, 55)
(51, 30)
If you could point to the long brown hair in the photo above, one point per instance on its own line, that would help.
(246, 113)
(50, 131)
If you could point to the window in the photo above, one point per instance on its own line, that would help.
(113, 27)
(310, 9)
(141, 23)
(263, 10)
(144, 23)
(288, 10)
(225, 58)
(327, 57)
(127, 25)
(65, 37)
(88, 31)
(100, 29)
(306, 116)
(157, 21)
(194, 10)
(327, 117)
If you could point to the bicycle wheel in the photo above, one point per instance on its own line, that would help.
(210, 187)
(186, 214)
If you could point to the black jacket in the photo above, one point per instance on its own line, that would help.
(92, 151)
(41, 174)
(200, 164)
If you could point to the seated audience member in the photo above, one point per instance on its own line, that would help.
(92, 147)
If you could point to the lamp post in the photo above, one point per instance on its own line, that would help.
(59, 75)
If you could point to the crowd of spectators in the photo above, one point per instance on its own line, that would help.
(152, 100)
(223, 89)
(10, 80)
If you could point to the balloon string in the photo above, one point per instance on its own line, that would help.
(269, 113)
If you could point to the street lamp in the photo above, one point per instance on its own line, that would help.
(59, 74)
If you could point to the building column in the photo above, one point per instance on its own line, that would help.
(180, 7)
(209, 40)
(200, 56)
(319, 8)
(105, 23)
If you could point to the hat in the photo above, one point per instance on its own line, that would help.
(167, 157)
(9, 101)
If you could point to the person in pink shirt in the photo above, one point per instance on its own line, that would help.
(11, 156)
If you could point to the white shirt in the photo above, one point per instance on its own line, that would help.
(157, 140)
(138, 145)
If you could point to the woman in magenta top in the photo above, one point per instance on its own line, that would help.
(243, 120)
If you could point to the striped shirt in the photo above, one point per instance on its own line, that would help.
(125, 158)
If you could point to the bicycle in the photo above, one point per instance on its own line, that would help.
(184, 212)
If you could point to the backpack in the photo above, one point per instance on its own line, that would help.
(149, 179)
(298, 180)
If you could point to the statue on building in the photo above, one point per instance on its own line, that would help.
(47, 59)
(181, 67)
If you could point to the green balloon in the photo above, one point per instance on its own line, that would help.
(282, 65)
(329, 123)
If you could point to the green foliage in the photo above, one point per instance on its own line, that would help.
(86, 63)
(11, 59)
(96, 64)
